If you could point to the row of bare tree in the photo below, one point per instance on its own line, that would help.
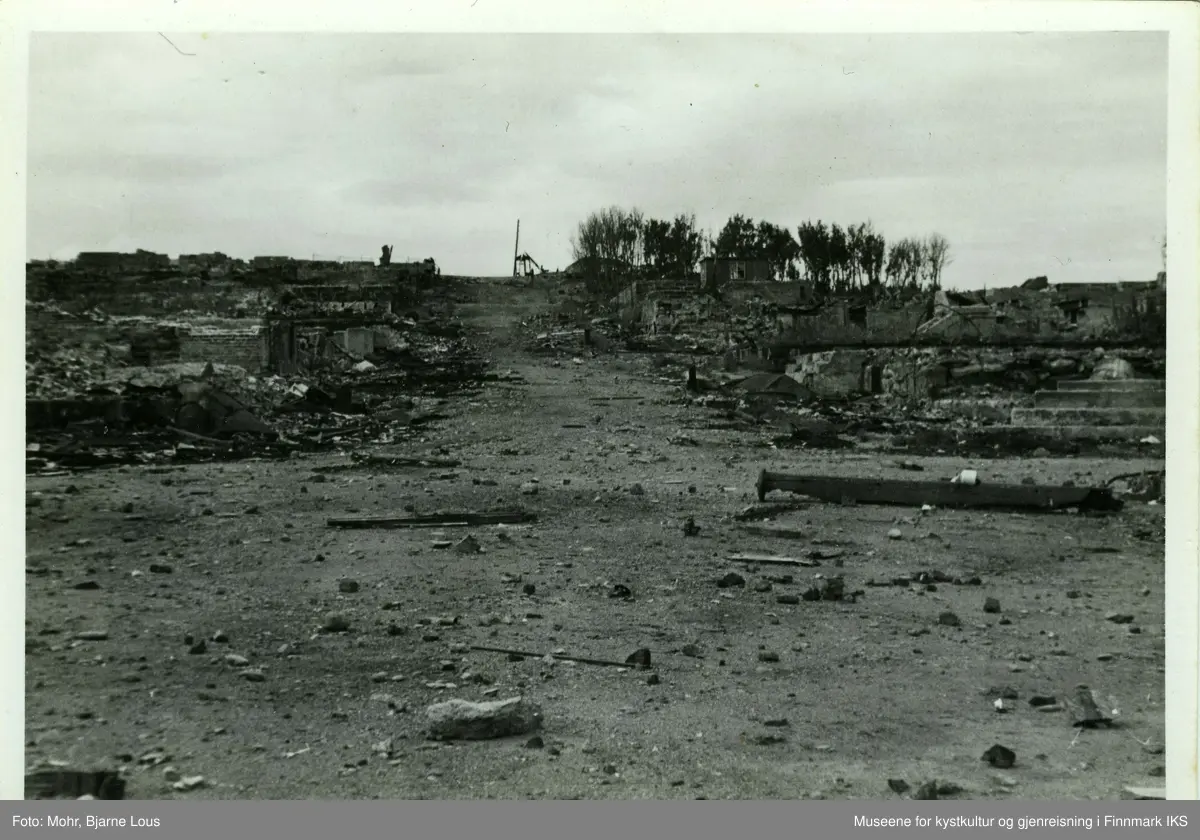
(829, 257)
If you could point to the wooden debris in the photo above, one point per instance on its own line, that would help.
(766, 511)
(639, 656)
(772, 560)
(437, 520)
(939, 493)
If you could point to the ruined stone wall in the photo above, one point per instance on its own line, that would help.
(921, 373)
(245, 348)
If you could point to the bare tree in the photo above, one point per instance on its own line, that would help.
(937, 257)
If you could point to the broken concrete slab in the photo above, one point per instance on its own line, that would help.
(440, 520)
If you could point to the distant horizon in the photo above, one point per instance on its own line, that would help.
(1033, 154)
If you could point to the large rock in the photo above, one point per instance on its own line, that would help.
(463, 720)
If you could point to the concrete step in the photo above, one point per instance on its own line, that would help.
(1129, 434)
(1089, 417)
(1112, 384)
(1100, 398)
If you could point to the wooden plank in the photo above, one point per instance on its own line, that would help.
(938, 493)
(771, 560)
(445, 520)
(583, 660)
(1146, 792)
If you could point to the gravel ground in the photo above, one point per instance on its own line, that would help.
(750, 697)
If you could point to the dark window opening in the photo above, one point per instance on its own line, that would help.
(876, 379)
(858, 315)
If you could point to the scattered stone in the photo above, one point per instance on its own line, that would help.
(731, 579)
(198, 648)
(949, 619)
(637, 490)
(160, 569)
(929, 790)
(620, 590)
(219, 637)
(348, 586)
(653, 679)
(463, 720)
(335, 623)
(690, 528)
(991, 605)
(894, 534)
(768, 656)
(1119, 618)
(468, 545)
(898, 786)
(999, 757)
(529, 489)
(776, 722)
(1040, 700)
(690, 650)
(639, 658)
(254, 675)
(535, 743)
(189, 783)
(236, 661)
(86, 585)
(529, 589)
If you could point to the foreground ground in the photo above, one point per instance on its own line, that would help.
(872, 690)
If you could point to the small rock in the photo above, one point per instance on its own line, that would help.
(653, 679)
(898, 786)
(1119, 618)
(1000, 757)
(929, 790)
(637, 490)
(468, 545)
(731, 579)
(690, 528)
(254, 675)
(529, 589)
(348, 586)
(236, 661)
(335, 623)
(86, 586)
(690, 650)
(639, 658)
(535, 743)
(92, 635)
(991, 605)
(198, 648)
(529, 489)
(949, 619)
(620, 590)
(894, 534)
(189, 783)
(160, 569)
(768, 656)
(219, 637)
(788, 599)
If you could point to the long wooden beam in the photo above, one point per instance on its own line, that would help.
(873, 491)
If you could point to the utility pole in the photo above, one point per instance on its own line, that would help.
(516, 247)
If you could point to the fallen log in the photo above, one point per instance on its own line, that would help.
(443, 520)
(771, 560)
(583, 660)
(874, 491)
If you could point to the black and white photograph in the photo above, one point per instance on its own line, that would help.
(645, 415)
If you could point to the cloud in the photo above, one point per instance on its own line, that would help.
(1017, 148)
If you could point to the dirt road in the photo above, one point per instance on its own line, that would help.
(777, 700)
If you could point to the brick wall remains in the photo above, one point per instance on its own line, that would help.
(246, 348)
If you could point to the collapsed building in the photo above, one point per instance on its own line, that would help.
(995, 356)
(117, 344)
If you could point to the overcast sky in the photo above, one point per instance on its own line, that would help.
(1033, 154)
